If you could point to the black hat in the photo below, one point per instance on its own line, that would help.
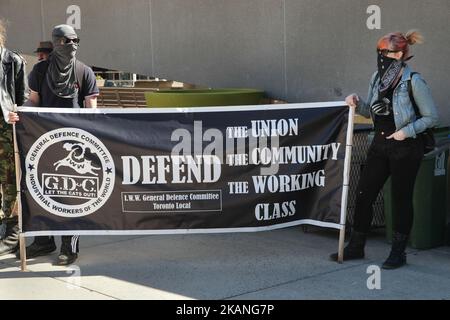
(45, 46)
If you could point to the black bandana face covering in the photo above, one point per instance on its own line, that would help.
(66, 50)
(388, 70)
(61, 74)
(61, 77)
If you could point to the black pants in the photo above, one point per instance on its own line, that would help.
(399, 160)
(68, 243)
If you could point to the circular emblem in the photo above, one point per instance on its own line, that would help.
(69, 172)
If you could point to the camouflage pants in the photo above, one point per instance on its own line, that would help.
(7, 172)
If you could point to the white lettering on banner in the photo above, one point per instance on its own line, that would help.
(294, 154)
(275, 128)
(235, 160)
(238, 187)
(288, 183)
(190, 162)
(271, 211)
(237, 132)
(37, 148)
(227, 146)
(182, 169)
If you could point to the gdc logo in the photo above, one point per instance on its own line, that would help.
(69, 172)
(70, 186)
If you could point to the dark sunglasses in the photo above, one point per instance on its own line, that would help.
(67, 40)
(385, 52)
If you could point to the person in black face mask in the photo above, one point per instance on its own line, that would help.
(64, 82)
(61, 75)
(397, 148)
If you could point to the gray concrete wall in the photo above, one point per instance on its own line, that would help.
(297, 50)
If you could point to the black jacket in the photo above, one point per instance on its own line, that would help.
(13, 82)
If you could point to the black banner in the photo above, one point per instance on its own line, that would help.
(149, 171)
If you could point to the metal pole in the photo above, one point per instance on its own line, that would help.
(347, 164)
(22, 243)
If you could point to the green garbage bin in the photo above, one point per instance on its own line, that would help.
(429, 198)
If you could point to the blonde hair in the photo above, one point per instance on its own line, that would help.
(2, 33)
(413, 37)
(400, 42)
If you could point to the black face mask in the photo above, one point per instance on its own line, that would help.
(388, 71)
(61, 77)
(66, 51)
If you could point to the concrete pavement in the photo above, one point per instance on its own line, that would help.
(283, 264)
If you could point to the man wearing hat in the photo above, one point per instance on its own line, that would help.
(64, 82)
(44, 49)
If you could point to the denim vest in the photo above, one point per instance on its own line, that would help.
(404, 116)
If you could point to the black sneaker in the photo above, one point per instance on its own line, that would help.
(66, 258)
(39, 247)
(69, 250)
